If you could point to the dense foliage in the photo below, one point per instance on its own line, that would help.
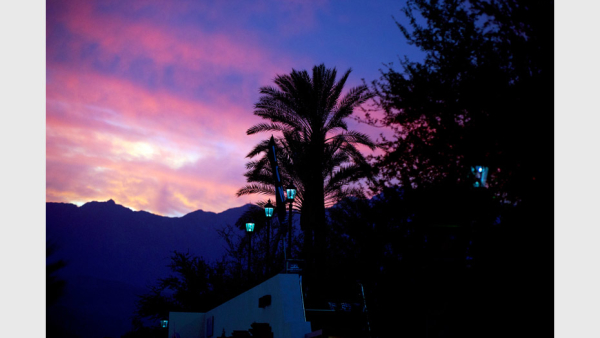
(483, 95)
(420, 254)
(459, 260)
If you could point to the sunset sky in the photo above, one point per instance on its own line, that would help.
(148, 102)
(149, 106)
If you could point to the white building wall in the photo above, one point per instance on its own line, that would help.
(285, 314)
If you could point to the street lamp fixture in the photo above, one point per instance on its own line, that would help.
(290, 192)
(269, 209)
(249, 227)
(481, 174)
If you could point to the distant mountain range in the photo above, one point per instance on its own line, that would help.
(114, 253)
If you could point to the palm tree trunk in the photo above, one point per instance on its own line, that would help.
(316, 200)
(320, 233)
(308, 235)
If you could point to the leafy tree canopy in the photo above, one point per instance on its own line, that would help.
(483, 95)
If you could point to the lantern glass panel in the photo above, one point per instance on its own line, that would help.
(269, 209)
(291, 193)
(269, 212)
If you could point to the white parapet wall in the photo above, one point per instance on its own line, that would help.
(285, 314)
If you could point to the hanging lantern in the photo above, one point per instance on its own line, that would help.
(249, 227)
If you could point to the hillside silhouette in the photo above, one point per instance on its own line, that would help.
(113, 253)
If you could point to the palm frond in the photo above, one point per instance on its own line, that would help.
(307, 112)
(266, 127)
(256, 188)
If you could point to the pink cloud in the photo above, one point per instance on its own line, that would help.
(111, 139)
(169, 148)
(189, 47)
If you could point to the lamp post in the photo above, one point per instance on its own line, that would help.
(269, 213)
(249, 230)
(290, 195)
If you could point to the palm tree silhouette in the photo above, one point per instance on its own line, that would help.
(317, 152)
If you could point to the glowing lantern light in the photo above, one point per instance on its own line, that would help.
(481, 174)
(269, 209)
(291, 192)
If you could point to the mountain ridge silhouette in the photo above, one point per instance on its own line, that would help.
(112, 250)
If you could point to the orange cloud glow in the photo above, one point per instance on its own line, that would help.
(107, 138)
(148, 103)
